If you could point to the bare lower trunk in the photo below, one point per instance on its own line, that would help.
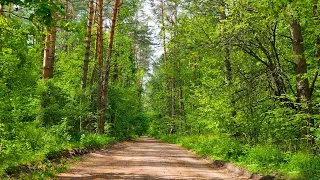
(304, 94)
(88, 43)
(300, 65)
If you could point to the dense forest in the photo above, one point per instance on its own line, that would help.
(235, 80)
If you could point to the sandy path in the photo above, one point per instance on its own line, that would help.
(144, 158)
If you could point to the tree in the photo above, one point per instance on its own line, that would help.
(100, 59)
(49, 52)
(104, 97)
(88, 42)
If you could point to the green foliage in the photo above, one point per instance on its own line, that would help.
(302, 166)
(265, 159)
(262, 159)
(31, 143)
(94, 140)
(40, 118)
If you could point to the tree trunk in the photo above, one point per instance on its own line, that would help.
(163, 28)
(173, 100)
(94, 69)
(1, 9)
(227, 64)
(300, 65)
(49, 52)
(73, 11)
(9, 10)
(304, 94)
(104, 98)
(315, 8)
(100, 59)
(88, 43)
(181, 104)
(65, 33)
(316, 19)
(66, 10)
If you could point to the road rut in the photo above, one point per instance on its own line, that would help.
(144, 159)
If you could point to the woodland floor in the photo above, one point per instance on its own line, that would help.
(144, 158)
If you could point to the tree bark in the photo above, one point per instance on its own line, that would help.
(173, 100)
(49, 52)
(304, 94)
(104, 98)
(100, 60)
(163, 28)
(73, 11)
(227, 63)
(181, 104)
(66, 10)
(1, 9)
(94, 69)
(65, 33)
(316, 19)
(300, 65)
(88, 43)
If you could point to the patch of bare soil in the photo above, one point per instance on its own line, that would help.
(145, 158)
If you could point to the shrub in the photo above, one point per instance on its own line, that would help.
(302, 166)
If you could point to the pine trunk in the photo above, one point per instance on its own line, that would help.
(104, 98)
(165, 57)
(88, 42)
(1, 9)
(100, 59)
(49, 52)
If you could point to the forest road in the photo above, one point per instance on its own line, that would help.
(144, 158)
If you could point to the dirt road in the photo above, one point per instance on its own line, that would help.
(144, 158)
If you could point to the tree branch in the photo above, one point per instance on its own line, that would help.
(314, 81)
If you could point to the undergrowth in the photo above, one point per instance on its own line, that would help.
(256, 159)
(29, 145)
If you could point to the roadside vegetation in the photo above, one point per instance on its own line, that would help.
(236, 80)
(49, 81)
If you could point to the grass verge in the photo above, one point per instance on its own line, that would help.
(263, 159)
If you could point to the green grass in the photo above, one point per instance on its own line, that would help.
(258, 159)
(31, 148)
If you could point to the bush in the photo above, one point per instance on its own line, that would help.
(302, 166)
(264, 159)
(222, 148)
(29, 143)
(94, 140)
